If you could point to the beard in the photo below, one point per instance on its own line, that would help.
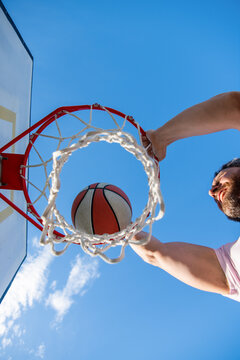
(231, 201)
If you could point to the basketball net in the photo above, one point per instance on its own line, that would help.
(52, 220)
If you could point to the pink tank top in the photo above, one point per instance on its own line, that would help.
(229, 258)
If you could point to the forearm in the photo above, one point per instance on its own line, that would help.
(219, 113)
(192, 264)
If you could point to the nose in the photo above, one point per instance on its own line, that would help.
(213, 190)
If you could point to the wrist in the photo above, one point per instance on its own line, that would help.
(163, 136)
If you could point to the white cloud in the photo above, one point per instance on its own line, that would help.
(80, 275)
(28, 287)
(6, 342)
(40, 351)
(53, 285)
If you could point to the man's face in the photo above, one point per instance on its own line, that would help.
(226, 191)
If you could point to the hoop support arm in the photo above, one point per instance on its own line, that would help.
(15, 207)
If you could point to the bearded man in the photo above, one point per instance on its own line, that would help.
(199, 266)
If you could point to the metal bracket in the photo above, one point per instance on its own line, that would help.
(10, 176)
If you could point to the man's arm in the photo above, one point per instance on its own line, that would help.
(219, 113)
(194, 265)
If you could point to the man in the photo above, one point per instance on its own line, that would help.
(199, 266)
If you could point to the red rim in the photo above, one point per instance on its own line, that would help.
(40, 126)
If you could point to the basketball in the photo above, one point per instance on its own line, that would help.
(100, 209)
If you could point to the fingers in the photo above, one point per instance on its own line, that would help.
(147, 143)
(141, 235)
(145, 140)
(157, 149)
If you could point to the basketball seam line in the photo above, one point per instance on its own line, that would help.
(80, 204)
(115, 192)
(111, 208)
(93, 230)
(120, 196)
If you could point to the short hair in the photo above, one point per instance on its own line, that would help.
(233, 163)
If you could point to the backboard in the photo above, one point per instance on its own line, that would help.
(16, 64)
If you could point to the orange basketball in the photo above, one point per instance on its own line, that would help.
(101, 209)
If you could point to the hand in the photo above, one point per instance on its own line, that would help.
(147, 252)
(155, 148)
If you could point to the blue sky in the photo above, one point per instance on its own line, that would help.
(151, 60)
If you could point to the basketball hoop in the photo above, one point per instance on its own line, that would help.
(55, 229)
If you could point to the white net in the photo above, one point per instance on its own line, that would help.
(53, 220)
